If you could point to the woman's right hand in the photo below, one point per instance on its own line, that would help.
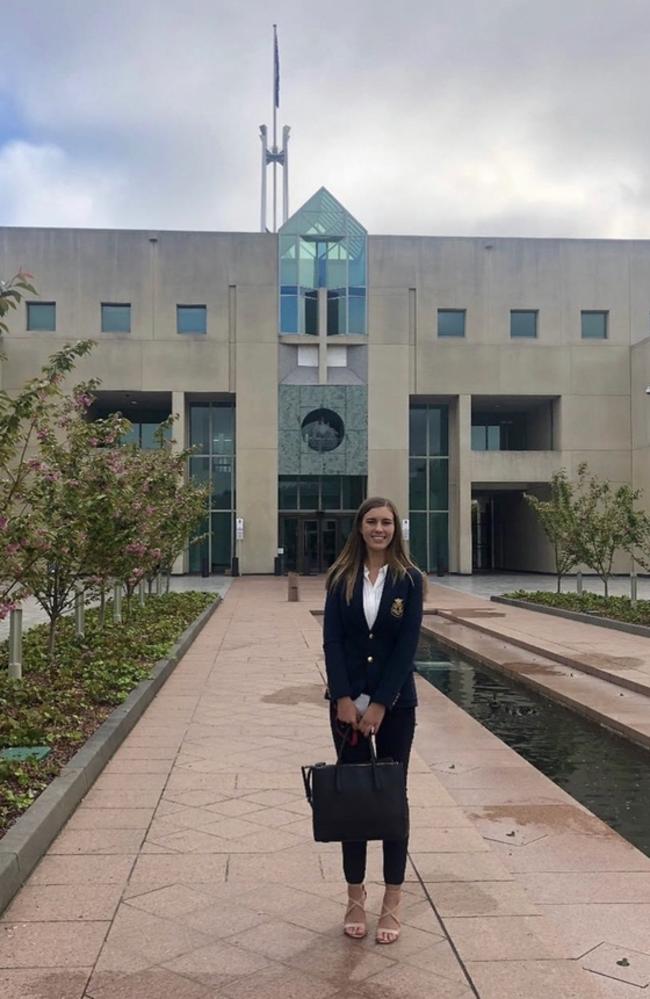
(346, 712)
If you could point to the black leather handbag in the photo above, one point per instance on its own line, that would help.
(357, 801)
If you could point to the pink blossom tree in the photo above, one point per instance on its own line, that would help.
(22, 537)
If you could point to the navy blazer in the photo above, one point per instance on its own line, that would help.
(377, 662)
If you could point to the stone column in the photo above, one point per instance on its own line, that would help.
(179, 432)
(460, 485)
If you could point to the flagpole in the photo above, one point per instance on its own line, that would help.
(275, 127)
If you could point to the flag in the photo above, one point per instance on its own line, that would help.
(276, 68)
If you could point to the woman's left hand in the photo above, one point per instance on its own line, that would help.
(371, 720)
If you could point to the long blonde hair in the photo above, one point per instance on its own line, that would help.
(345, 570)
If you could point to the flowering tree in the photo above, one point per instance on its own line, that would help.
(11, 294)
(70, 484)
(22, 536)
(165, 510)
(605, 522)
(556, 515)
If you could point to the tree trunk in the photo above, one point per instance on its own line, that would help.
(102, 607)
(51, 640)
(559, 582)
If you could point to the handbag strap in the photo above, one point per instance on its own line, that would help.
(306, 779)
(376, 775)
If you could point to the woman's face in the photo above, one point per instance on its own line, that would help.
(378, 528)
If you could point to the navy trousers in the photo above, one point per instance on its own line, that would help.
(394, 739)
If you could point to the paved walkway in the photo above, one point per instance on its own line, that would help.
(616, 654)
(189, 870)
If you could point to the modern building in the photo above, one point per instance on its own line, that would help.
(317, 365)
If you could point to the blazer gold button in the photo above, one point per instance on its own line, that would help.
(370, 659)
(371, 635)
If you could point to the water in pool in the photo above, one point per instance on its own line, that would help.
(603, 771)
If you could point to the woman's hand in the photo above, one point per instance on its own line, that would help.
(346, 712)
(372, 719)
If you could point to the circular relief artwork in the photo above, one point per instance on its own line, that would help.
(322, 430)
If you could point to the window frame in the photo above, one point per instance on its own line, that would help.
(454, 312)
(29, 305)
(594, 312)
(115, 305)
(525, 312)
(192, 309)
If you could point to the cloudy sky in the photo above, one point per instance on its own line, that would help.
(490, 117)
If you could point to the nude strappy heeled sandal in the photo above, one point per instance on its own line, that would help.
(356, 931)
(385, 935)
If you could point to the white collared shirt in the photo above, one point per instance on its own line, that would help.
(372, 594)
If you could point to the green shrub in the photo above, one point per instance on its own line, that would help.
(614, 608)
(61, 706)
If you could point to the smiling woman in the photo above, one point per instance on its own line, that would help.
(373, 614)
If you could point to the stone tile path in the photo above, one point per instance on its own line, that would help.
(189, 870)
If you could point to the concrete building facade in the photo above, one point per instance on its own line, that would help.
(315, 366)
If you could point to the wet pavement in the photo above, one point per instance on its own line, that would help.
(189, 869)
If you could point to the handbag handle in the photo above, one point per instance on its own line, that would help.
(376, 776)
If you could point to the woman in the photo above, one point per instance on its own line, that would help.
(373, 614)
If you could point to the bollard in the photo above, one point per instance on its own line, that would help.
(117, 603)
(633, 588)
(79, 612)
(294, 594)
(16, 644)
(578, 583)
(141, 593)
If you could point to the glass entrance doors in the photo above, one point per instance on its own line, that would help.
(312, 543)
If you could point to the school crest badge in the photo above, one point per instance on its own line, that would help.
(397, 607)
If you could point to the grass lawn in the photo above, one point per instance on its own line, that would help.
(61, 707)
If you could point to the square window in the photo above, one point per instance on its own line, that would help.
(191, 319)
(307, 357)
(523, 323)
(116, 318)
(593, 325)
(451, 322)
(41, 316)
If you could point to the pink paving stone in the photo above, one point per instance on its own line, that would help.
(459, 867)
(279, 982)
(171, 901)
(574, 852)
(619, 963)
(586, 926)
(151, 938)
(481, 898)
(407, 982)
(168, 869)
(97, 841)
(218, 963)
(601, 887)
(51, 944)
(533, 980)
(342, 962)
(118, 798)
(278, 940)
(53, 903)
(100, 870)
(132, 766)
(110, 818)
(500, 938)
(43, 983)
(152, 983)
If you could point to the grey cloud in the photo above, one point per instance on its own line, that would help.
(432, 117)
